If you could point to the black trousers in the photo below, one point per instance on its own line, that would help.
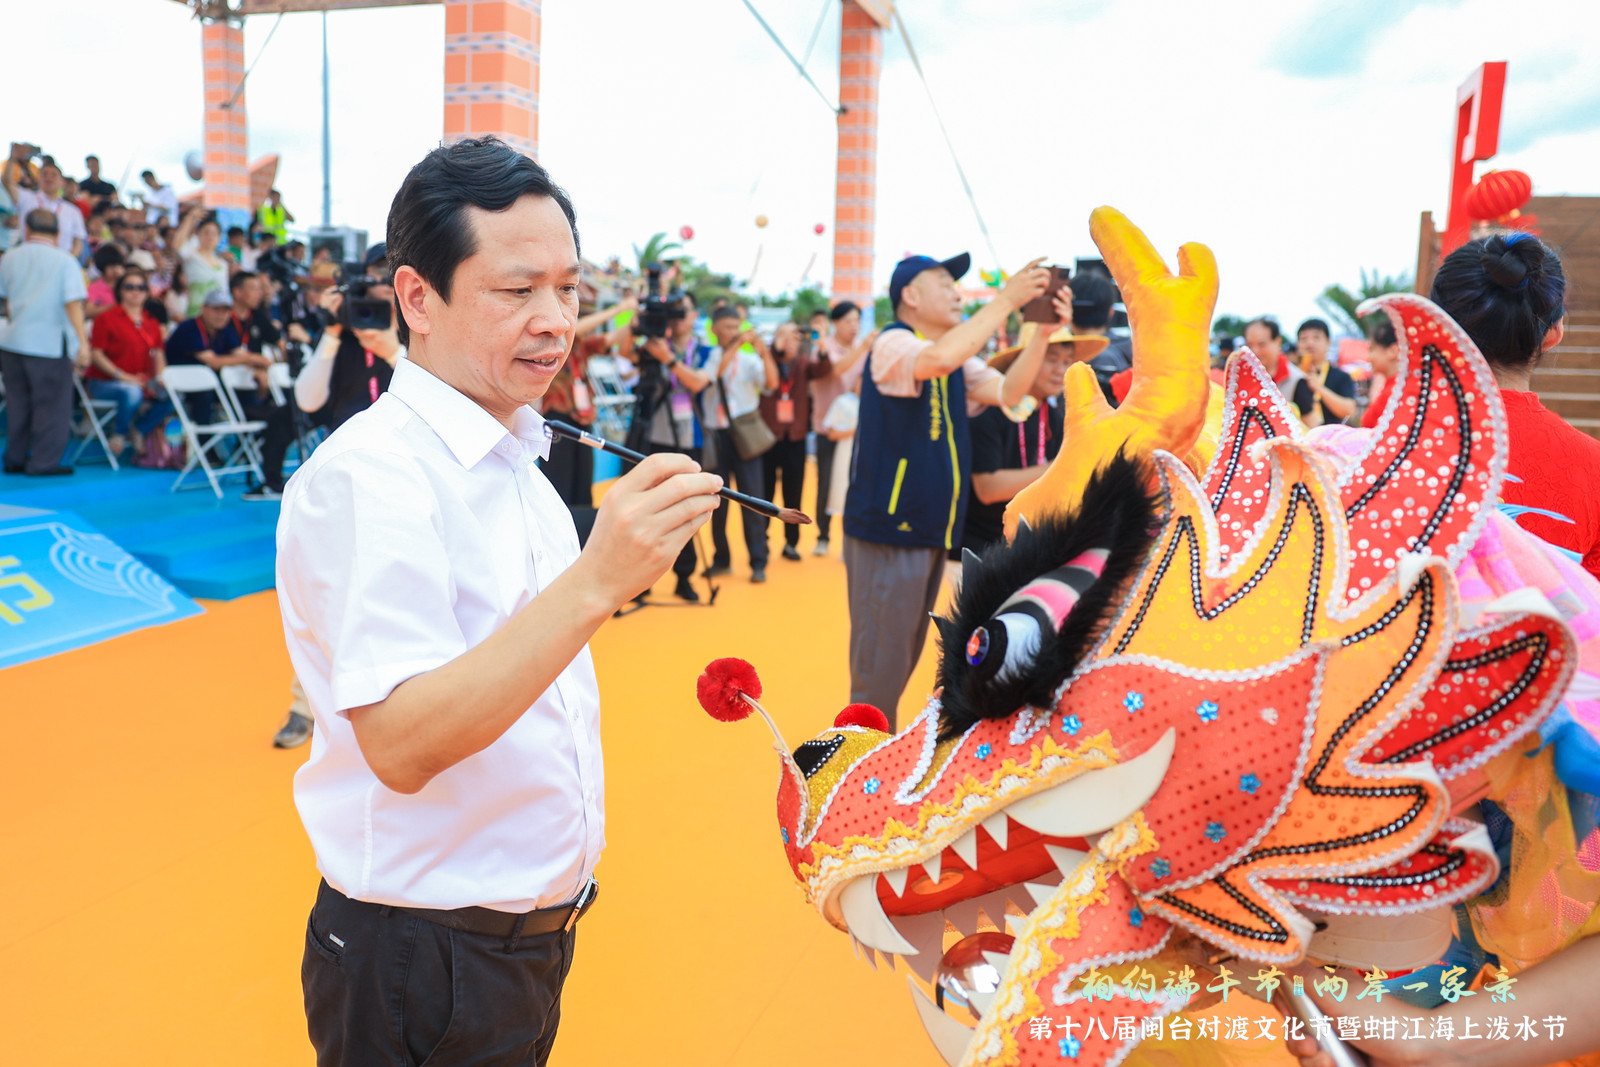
(280, 434)
(786, 462)
(38, 409)
(746, 476)
(385, 988)
(825, 447)
(570, 467)
(683, 566)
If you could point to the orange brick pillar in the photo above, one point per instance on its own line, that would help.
(227, 189)
(855, 188)
(491, 71)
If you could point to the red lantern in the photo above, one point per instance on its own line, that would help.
(819, 228)
(1497, 193)
(686, 232)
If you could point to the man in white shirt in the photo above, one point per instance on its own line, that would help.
(42, 342)
(744, 367)
(70, 230)
(437, 608)
(161, 202)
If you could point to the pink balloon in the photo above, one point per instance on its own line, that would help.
(819, 227)
(686, 232)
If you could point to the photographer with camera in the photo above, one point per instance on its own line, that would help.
(674, 370)
(347, 372)
(745, 368)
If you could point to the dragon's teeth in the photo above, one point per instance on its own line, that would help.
(863, 914)
(1039, 893)
(966, 847)
(996, 825)
(932, 866)
(897, 880)
(1066, 859)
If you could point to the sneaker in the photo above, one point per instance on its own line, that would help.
(758, 575)
(716, 569)
(791, 552)
(16, 468)
(685, 591)
(51, 472)
(295, 732)
(822, 547)
(264, 492)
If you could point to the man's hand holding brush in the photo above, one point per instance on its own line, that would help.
(648, 515)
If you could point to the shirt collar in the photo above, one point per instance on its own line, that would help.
(469, 431)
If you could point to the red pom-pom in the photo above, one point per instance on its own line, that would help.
(719, 687)
(864, 715)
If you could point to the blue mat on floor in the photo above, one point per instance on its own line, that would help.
(64, 584)
(216, 549)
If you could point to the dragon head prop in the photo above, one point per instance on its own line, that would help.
(1232, 702)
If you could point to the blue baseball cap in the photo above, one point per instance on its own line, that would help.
(912, 266)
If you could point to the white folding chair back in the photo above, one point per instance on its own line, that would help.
(281, 383)
(613, 397)
(98, 414)
(204, 437)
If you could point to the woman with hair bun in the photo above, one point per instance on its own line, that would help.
(1508, 292)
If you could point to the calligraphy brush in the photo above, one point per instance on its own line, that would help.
(792, 516)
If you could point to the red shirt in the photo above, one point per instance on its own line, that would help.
(1374, 412)
(1555, 469)
(126, 345)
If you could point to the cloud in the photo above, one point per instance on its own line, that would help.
(1335, 39)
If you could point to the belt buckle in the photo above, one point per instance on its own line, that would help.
(577, 908)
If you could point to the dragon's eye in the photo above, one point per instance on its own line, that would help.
(1021, 644)
(977, 646)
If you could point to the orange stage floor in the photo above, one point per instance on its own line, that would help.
(157, 878)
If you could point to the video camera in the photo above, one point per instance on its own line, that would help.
(657, 313)
(359, 310)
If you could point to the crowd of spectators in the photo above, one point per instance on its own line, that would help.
(117, 285)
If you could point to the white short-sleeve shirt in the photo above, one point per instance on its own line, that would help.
(412, 534)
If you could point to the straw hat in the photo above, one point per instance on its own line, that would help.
(1085, 347)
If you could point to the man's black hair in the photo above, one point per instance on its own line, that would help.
(1314, 324)
(843, 308)
(724, 312)
(41, 220)
(1273, 331)
(236, 230)
(428, 229)
(1382, 333)
(1093, 294)
(107, 255)
(238, 280)
(147, 174)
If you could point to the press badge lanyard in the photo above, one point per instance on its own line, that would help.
(785, 406)
(1022, 439)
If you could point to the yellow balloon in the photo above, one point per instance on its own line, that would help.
(761, 221)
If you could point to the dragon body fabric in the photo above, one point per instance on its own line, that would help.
(1221, 688)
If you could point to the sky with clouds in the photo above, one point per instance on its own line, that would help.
(1300, 139)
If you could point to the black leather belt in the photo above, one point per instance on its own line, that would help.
(506, 924)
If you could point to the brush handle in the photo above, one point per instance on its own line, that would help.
(584, 437)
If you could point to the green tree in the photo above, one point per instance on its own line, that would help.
(1228, 325)
(807, 302)
(704, 283)
(654, 250)
(1340, 304)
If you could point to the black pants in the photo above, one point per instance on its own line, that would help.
(786, 462)
(280, 433)
(746, 476)
(38, 409)
(570, 467)
(825, 447)
(683, 566)
(385, 988)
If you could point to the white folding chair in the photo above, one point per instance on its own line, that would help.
(238, 379)
(97, 415)
(613, 397)
(203, 437)
(280, 382)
